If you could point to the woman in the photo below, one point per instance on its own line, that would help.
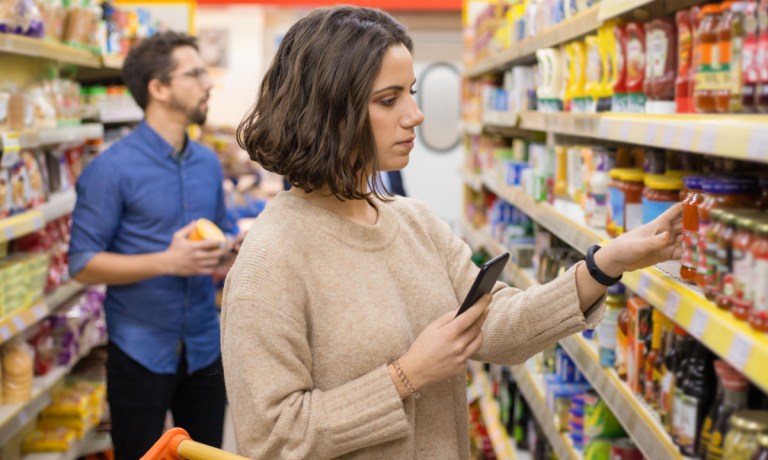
(340, 308)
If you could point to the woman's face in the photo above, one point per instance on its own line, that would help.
(393, 111)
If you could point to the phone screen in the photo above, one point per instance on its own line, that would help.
(486, 278)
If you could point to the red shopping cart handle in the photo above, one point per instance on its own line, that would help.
(176, 444)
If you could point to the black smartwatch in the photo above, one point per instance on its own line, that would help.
(595, 271)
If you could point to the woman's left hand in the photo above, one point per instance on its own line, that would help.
(649, 244)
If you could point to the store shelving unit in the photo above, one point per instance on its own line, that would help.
(640, 422)
(531, 386)
(13, 417)
(59, 204)
(481, 388)
(47, 49)
(524, 51)
(92, 443)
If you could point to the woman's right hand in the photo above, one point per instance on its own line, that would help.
(443, 347)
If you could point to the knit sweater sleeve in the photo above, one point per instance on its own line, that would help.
(520, 323)
(277, 411)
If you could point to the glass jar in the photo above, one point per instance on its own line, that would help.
(691, 204)
(660, 193)
(741, 441)
(762, 448)
(743, 270)
(758, 317)
(708, 61)
(625, 191)
(725, 261)
(708, 264)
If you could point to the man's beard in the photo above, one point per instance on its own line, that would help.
(195, 115)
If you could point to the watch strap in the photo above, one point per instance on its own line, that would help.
(595, 271)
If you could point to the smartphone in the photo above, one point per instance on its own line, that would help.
(486, 278)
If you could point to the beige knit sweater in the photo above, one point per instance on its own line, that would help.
(314, 308)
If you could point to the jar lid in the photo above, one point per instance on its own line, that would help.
(662, 182)
(693, 182)
(725, 185)
(711, 9)
(716, 214)
(751, 420)
(746, 223)
(632, 175)
(728, 218)
(681, 173)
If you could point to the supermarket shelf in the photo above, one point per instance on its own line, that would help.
(562, 219)
(614, 8)
(61, 135)
(130, 114)
(473, 128)
(500, 439)
(92, 443)
(731, 339)
(20, 320)
(575, 27)
(531, 387)
(472, 179)
(45, 49)
(641, 423)
(112, 61)
(60, 204)
(743, 137)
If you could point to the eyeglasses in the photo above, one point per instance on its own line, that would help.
(200, 74)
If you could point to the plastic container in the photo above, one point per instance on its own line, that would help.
(684, 81)
(660, 193)
(758, 316)
(635, 65)
(661, 66)
(707, 78)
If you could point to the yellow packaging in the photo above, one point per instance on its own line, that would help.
(55, 440)
(593, 83)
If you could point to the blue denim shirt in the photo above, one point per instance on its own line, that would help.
(130, 200)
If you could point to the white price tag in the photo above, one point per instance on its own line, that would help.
(644, 284)
(668, 136)
(624, 131)
(650, 134)
(9, 234)
(685, 138)
(39, 311)
(672, 304)
(757, 148)
(38, 222)
(19, 323)
(699, 323)
(602, 129)
(23, 417)
(708, 140)
(738, 354)
(5, 333)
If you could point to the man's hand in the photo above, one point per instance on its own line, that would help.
(189, 258)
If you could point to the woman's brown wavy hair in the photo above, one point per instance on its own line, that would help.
(310, 122)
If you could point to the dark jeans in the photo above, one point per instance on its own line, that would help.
(139, 400)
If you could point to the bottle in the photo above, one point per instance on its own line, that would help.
(635, 65)
(667, 377)
(684, 83)
(761, 59)
(725, 261)
(697, 394)
(682, 354)
(709, 421)
(758, 317)
(749, 67)
(661, 68)
(620, 84)
(690, 243)
(731, 34)
(622, 343)
(607, 329)
(735, 388)
(708, 66)
(597, 199)
(653, 362)
(743, 269)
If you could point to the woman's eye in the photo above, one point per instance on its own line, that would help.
(389, 102)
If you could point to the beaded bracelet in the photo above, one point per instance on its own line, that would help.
(403, 378)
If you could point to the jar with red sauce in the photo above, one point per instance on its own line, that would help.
(691, 204)
(758, 317)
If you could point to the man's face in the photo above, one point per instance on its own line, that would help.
(190, 85)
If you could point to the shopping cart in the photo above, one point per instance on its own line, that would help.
(176, 444)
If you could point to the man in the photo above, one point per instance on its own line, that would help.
(136, 204)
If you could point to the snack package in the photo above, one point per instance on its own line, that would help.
(5, 193)
(49, 440)
(37, 178)
(18, 369)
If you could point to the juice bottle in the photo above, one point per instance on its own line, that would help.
(690, 243)
(697, 395)
(684, 82)
(758, 317)
(709, 60)
(661, 66)
(635, 67)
